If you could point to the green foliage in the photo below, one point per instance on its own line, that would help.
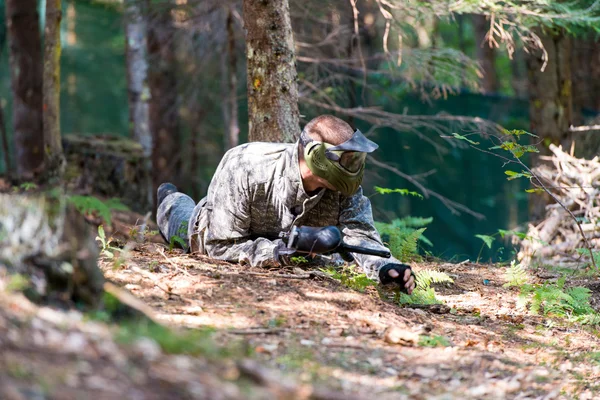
(25, 187)
(466, 139)
(349, 277)
(514, 175)
(191, 342)
(554, 300)
(403, 192)
(586, 252)
(176, 240)
(91, 205)
(298, 260)
(486, 239)
(17, 283)
(433, 341)
(109, 251)
(402, 236)
(424, 293)
(515, 275)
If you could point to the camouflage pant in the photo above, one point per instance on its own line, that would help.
(175, 217)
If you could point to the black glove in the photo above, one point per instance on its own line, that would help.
(385, 278)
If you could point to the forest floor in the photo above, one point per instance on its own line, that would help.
(294, 333)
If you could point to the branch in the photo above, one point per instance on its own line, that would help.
(453, 206)
(584, 128)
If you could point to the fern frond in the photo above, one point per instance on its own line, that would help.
(515, 275)
(420, 296)
(426, 277)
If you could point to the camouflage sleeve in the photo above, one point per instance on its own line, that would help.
(356, 223)
(228, 220)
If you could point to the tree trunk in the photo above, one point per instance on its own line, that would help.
(137, 73)
(486, 55)
(54, 163)
(4, 134)
(166, 148)
(25, 54)
(229, 68)
(586, 94)
(136, 50)
(272, 79)
(550, 108)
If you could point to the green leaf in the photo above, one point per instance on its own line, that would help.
(535, 190)
(514, 175)
(486, 239)
(403, 192)
(461, 137)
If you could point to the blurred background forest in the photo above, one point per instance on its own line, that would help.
(408, 75)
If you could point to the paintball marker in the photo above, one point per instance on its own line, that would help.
(326, 240)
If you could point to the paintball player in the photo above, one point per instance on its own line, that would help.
(264, 193)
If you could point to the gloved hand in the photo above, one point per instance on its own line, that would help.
(401, 274)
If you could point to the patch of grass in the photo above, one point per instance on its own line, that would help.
(192, 342)
(277, 322)
(350, 278)
(17, 283)
(433, 341)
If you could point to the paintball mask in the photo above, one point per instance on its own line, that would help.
(343, 165)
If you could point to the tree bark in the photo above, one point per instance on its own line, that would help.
(164, 124)
(550, 95)
(486, 55)
(272, 78)
(229, 68)
(54, 160)
(4, 134)
(137, 73)
(25, 55)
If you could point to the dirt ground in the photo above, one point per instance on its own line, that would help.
(305, 336)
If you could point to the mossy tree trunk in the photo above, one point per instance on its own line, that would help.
(166, 148)
(136, 50)
(54, 159)
(271, 66)
(137, 72)
(551, 98)
(25, 55)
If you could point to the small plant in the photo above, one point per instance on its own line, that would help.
(402, 236)
(91, 205)
(424, 293)
(176, 240)
(554, 300)
(515, 275)
(25, 186)
(109, 251)
(17, 283)
(350, 278)
(433, 341)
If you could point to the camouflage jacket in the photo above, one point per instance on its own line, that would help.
(256, 193)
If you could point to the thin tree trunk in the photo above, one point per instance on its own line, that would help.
(136, 50)
(166, 148)
(53, 152)
(7, 165)
(272, 78)
(229, 68)
(486, 55)
(550, 109)
(137, 73)
(25, 54)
